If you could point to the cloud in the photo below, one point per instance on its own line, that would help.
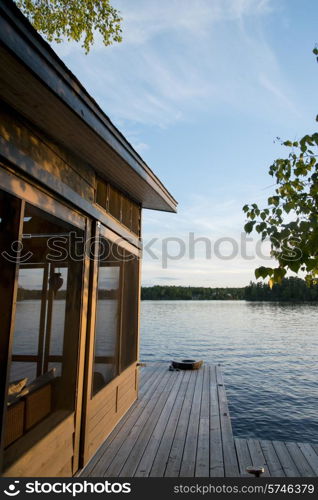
(181, 58)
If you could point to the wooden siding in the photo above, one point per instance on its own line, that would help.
(51, 455)
(108, 406)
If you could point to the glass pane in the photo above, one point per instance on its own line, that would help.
(58, 315)
(28, 311)
(107, 323)
(129, 334)
(47, 324)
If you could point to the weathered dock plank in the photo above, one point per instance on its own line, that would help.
(187, 468)
(144, 452)
(243, 455)
(161, 458)
(176, 452)
(310, 455)
(299, 458)
(289, 466)
(202, 465)
(231, 468)
(274, 466)
(216, 451)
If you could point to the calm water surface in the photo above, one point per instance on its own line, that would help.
(269, 353)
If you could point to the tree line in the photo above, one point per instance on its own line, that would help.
(291, 289)
(190, 293)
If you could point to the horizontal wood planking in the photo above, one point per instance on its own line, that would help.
(109, 405)
(36, 453)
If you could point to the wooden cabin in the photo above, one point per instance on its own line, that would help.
(72, 190)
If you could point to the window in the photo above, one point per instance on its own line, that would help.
(116, 327)
(129, 336)
(47, 322)
(107, 327)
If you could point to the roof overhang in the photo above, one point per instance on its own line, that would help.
(35, 82)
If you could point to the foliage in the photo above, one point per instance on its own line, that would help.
(190, 293)
(74, 20)
(291, 219)
(292, 289)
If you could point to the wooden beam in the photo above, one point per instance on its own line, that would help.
(12, 211)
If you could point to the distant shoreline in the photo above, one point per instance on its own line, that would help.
(292, 289)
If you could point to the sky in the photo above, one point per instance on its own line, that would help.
(201, 89)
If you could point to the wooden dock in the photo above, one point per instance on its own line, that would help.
(181, 426)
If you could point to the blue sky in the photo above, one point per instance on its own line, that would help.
(201, 88)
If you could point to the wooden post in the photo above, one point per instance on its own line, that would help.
(11, 230)
(42, 319)
(90, 344)
(82, 354)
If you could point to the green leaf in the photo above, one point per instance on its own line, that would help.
(273, 200)
(263, 272)
(76, 20)
(279, 274)
(248, 228)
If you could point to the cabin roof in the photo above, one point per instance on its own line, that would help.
(36, 83)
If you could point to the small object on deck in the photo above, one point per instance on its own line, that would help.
(256, 470)
(141, 364)
(187, 364)
(172, 369)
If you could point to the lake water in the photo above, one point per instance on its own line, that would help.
(269, 354)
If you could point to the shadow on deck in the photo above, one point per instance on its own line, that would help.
(180, 426)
